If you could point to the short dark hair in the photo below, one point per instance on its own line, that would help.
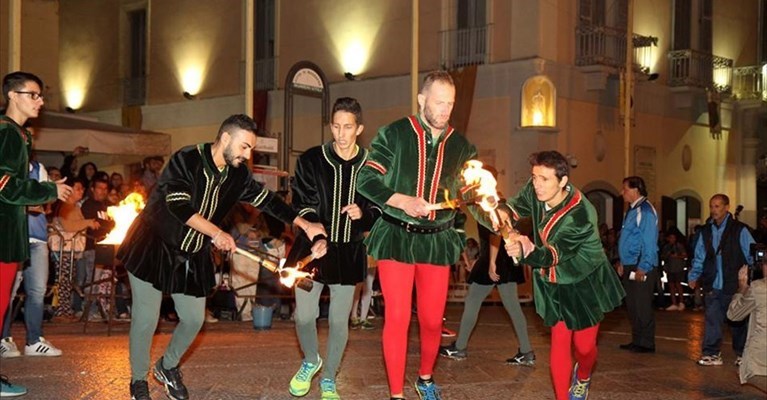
(350, 105)
(636, 182)
(237, 121)
(725, 199)
(436, 76)
(551, 159)
(16, 80)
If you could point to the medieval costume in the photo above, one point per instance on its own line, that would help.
(164, 255)
(574, 283)
(406, 158)
(324, 184)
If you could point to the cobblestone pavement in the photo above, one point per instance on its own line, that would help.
(231, 360)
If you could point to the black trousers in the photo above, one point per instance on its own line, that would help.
(639, 302)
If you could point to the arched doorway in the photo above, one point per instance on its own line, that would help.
(608, 203)
(683, 211)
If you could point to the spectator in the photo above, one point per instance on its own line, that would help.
(70, 169)
(95, 209)
(638, 249)
(152, 169)
(721, 249)
(674, 256)
(87, 173)
(115, 180)
(54, 174)
(751, 302)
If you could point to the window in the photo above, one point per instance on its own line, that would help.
(682, 17)
(264, 42)
(134, 92)
(467, 43)
(762, 50)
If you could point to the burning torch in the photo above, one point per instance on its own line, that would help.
(288, 275)
(485, 185)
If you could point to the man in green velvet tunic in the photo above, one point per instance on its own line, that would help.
(23, 99)
(412, 162)
(574, 283)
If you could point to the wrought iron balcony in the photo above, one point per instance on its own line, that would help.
(462, 47)
(134, 91)
(695, 68)
(605, 45)
(750, 83)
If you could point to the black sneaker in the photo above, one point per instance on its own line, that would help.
(171, 378)
(452, 352)
(524, 359)
(139, 390)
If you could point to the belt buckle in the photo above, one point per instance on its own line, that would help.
(407, 227)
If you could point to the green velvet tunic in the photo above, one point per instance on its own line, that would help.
(405, 158)
(17, 191)
(572, 278)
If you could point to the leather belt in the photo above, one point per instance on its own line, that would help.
(412, 228)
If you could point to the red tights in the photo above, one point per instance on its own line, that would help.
(585, 341)
(7, 278)
(431, 293)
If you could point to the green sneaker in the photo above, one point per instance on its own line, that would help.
(302, 380)
(328, 387)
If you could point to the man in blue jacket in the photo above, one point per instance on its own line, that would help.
(721, 249)
(638, 250)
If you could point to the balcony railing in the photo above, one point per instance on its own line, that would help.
(605, 45)
(462, 47)
(264, 74)
(748, 83)
(134, 91)
(694, 68)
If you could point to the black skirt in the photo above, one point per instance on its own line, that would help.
(169, 270)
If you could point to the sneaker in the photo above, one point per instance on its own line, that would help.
(42, 348)
(302, 380)
(738, 361)
(123, 317)
(210, 318)
(328, 388)
(8, 348)
(672, 307)
(172, 379)
(7, 389)
(452, 352)
(354, 323)
(139, 390)
(579, 388)
(447, 332)
(366, 325)
(523, 359)
(681, 307)
(427, 390)
(712, 360)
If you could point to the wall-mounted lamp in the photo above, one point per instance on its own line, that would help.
(350, 76)
(189, 96)
(70, 110)
(653, 76)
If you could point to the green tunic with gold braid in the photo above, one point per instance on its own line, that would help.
(405, 158)
(17, 190)
(572, 278)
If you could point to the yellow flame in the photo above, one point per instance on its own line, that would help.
(473, 174)
(123, 214)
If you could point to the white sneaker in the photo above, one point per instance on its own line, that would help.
(8, 348)
(672, 307)
(42, 348)
(681, 306)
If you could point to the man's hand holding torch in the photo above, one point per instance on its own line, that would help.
(316, 233)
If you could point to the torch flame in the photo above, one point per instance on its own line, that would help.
(289, 275)
(123, 215)
(485, 183)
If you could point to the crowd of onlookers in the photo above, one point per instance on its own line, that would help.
(63, 235)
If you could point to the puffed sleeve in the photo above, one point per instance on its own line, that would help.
(371, 179)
